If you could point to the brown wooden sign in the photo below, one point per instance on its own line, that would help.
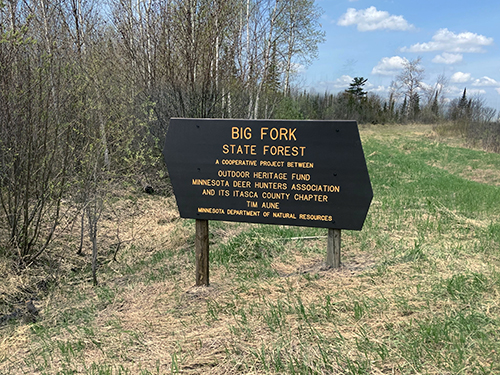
(303, 173)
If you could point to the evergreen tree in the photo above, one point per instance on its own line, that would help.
(414, 109)
(356, 88)
(404, 109)
(435, 105)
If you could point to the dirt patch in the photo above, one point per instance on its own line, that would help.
(484, 176)
(351, 266)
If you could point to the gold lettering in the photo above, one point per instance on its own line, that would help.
(240, 133)
(309, 197)
(270, 175)
(300, 176)
(271, 205)
(272, 195)
(297, 164)
(203, 210)
(245, 194)
(315, 217)
(247, 133)
(209, 182)
(270, 185)
(242, 212)
(239, 149)
(274, 134)
(252, 163)
(252, 204)
(223, 193)
(235, 134)
(282, 134)
(274, 163)
(316, 188)
(284, 215)
(234, 174)
(242, 184)
(263, 132)
(283, 150)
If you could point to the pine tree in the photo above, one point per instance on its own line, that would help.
(356, 88)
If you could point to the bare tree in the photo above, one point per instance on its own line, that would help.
(34, 133)
(409, 84)
(301, 36)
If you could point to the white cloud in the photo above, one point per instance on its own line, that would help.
(448, 58)
(379, 89)
(342, 82)
(389, 65)
(298, 68)
(498, 90)
(460, 77)
(476, 92)
(371, 19)
(486, 81)
(455, 92)
(445, 40)
(425, 86)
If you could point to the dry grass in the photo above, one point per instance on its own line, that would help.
(146, 316)
(488, 176)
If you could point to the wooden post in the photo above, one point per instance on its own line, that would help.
(333, 249)
(202, 260)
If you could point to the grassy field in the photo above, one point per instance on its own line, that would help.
(418, 291)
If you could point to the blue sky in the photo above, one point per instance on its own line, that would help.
(372, 38)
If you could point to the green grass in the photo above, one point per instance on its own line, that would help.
(417, 292)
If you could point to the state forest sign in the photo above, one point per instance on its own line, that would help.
(304, 173)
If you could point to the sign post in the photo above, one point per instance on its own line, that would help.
(333, 248)
(202, 253)
(280, 172)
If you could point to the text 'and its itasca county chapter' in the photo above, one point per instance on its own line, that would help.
(306, 173)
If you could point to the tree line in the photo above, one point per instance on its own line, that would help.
(410, 100)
